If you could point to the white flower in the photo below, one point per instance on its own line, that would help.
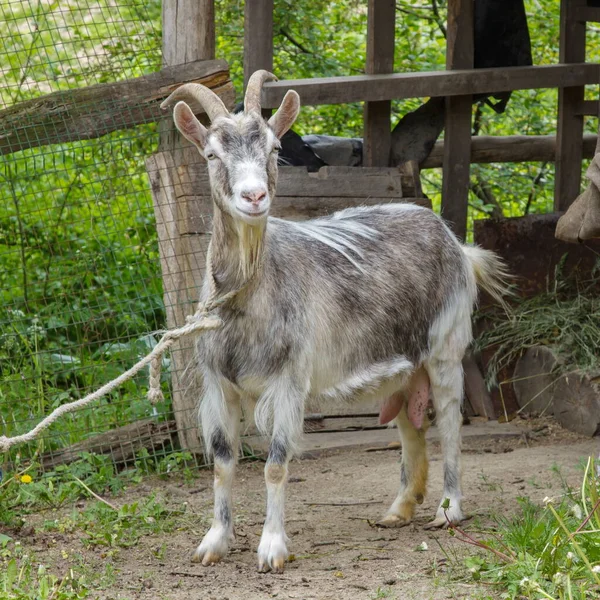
(559, 578)
(596, 568)
(422, 547)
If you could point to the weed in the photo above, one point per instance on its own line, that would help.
(550, 551)
(22, 577)
(381, 593)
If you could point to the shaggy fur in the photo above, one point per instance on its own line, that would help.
(344, 308)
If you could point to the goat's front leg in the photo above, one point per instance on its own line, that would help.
(272, 550)
(221, 427)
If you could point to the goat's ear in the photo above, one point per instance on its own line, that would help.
(286, 114)
(191, 129)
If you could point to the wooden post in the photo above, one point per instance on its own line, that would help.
(258, 37)
(381, 25)
(188, 35)
(457, 130)
(570, 124)
(258, 40)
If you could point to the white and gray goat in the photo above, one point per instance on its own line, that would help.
(371, 302)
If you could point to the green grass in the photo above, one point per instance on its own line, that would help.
(106, 522)
(566, 318)
(547, 551)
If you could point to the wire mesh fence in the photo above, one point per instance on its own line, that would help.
(80, 272)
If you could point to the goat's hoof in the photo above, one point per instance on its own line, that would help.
(437, 523)
(206, 558)
(443, 522)
(213, 548)
(277, 566)
(452, 516)
(272, 553)
(393, 521)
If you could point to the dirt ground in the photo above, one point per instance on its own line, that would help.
(339, 552)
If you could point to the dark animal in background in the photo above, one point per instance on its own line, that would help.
(295, 152)
(501, 39)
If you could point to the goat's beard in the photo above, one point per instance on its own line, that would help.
(250, 239)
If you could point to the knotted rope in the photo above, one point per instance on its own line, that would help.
(201, 320)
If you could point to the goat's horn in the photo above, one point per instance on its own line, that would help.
(204, 98)
(254, 88)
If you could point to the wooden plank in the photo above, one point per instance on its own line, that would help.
(188, 35)
(381, 24)
(476, 390)
(188, 31)
(511, 148)
(302, 207)
(458, 114)
(347, 182)
(585, 14)
(180, 280)
(316, 444)
(570, 124)
(300, 194)
(293, 208)
(371, 88)
(193, 220)
(94, 111)
(587, 108)
(342, 423)
(258, 37)
(121, 444)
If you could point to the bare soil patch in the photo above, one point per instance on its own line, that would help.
(339, 552)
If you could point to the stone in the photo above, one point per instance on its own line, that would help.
(534, 379)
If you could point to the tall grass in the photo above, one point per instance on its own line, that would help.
(547, 551)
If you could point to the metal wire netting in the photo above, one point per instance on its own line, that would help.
(79, 265)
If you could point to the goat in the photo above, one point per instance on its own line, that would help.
(370, 302)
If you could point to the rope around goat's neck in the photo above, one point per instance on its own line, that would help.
(201, 320)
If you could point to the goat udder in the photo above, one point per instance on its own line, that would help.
(418, 399)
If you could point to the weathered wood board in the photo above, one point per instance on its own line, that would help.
(510, 148)
(94, 111)
(371, 88)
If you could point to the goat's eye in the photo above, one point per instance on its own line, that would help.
(276, 150)
(210, 156)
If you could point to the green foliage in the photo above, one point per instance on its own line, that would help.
(121, 528)
(550, 551)
(22, 578)
(100, 523)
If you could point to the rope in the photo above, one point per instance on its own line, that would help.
(201, 320)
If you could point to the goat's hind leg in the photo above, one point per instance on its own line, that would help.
(413, 472)
(446, 378)
(221, 426)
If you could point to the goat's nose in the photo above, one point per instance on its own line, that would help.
(254, 197)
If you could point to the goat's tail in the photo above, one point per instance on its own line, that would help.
(491, 273)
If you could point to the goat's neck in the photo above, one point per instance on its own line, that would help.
(236, 249)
